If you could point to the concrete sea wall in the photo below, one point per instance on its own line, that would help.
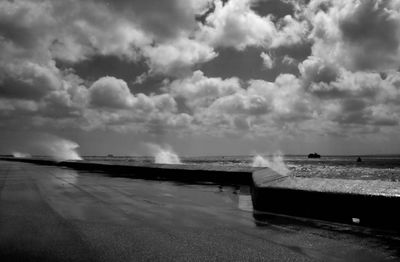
(370, 203)
(181, 173)
(360, 202)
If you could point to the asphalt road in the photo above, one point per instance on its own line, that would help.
(55, 214)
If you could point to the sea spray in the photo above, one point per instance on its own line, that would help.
(164, 155)
(276, 163)
(21, 155)
(59, 148)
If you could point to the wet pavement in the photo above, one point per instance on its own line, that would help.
(54, 214)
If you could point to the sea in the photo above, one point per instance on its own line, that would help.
(371, 167)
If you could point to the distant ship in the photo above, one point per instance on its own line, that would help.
(314, 155)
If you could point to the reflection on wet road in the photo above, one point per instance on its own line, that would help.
(54, 214)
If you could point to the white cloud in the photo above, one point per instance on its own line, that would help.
(241, 103)
(314, 69)
(110, 92)
(289, 60)
(358, 99)
(176, 57)
(200, 91)
(349, 82)
(267, 60)
(357, 35)
(288, 100)
(290, 31)
(235, 24)
(219, 108)
(25, 79)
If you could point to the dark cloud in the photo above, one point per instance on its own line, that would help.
(232, 63)
(298, 51)
(163, 19)
(27, 81)
(358, 112)
(356, 35)
(373, 32)
(244, 69)
(98, 66)
(314, 70)
(17, 20)
(277, 8)
(15, 88)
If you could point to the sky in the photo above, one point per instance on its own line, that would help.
(204, 77)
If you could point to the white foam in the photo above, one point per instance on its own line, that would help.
(276, 163)
(61, 149)
(20, 155)
(164, 155)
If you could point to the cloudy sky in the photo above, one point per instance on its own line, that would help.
(204, 76)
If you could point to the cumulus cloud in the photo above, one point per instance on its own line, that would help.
(165, 19)
(35, 36)
(357, 99)
(228, 105)
(290, 31)
(288, 60)
(359, 35)
(288, 99)
(322, 97)
(267, 60)
(242, 104)
(346, 80)
(28, 80)
(175, 58)
(199, 91)
(110, 92)
(114, 106)
(236, 24)
(314, 69)
(73, 31)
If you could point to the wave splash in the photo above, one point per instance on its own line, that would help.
(21, 155)
(61, 149)
(275, 162)
(164, 155)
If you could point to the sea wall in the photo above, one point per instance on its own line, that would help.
(369, 203)
(181, 173)
(360, 202)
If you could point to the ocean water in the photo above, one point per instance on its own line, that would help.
(372, 167)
